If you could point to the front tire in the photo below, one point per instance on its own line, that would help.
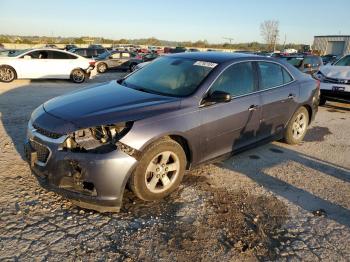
(297, 127)
(78, 76)
(7, 74)
(160, 170)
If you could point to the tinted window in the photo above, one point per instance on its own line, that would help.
(80, 52)
(236, 80)
(61, 55)
(170, 76)
(39, 54)
(100, 51)
(271, 75)
(90, 52)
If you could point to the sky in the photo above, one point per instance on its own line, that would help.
(176, 20)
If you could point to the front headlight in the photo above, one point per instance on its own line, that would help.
(318, 76)
(99, 137)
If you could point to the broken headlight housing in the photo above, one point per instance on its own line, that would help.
(99, 139)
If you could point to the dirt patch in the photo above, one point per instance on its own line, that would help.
(317, 134)
(215, 225)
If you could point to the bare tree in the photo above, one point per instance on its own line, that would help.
(269, 30)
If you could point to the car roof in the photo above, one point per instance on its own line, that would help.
(214, 57)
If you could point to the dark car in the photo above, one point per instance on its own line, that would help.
(69, 47)
(88, 52)
(308, 64)
(329, 59)
(176, 113)
(117, 60)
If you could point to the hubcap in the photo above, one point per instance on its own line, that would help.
(162, 172)
(102, 68)
(78, 76)
(6, 74)
(299, 126)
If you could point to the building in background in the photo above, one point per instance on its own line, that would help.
(332, 44)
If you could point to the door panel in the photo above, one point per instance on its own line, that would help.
(279, 94)
(229, 126)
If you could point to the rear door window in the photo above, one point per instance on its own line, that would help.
(271, 75)
(237, 80)
(116, 55)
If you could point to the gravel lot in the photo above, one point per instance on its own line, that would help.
(275, 202)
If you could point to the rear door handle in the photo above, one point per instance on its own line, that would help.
(253, 108)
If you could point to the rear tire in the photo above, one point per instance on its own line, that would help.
(160, 170)
(78, 76)
(102, 68)
(7, 74)
(297, 127)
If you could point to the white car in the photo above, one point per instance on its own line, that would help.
(335, 81)
(44, 63)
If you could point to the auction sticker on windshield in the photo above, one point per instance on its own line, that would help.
(205, 64)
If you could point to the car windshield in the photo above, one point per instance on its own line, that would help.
(170, 76)
(104, 55)
(295, 61)
(17, 52)
(345, 61)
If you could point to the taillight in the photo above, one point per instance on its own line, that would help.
(318, 85)
(92, 63)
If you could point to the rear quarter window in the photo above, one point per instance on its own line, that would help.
(271, 75)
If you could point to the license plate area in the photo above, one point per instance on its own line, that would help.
(338, 88)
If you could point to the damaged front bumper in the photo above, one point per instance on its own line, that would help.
(89, 180)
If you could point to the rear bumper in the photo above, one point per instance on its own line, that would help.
(93, 181)
(338, 92)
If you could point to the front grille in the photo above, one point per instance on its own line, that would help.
(336, 81)
(42, 151)
(46, 133)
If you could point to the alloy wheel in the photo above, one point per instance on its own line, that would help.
(299, 126)
(162, 171)
(78, 76)
(6, 74)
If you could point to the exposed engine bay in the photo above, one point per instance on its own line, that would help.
(100, 139)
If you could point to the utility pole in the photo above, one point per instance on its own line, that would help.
(229, 39)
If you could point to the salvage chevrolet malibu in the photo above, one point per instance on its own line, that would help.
(145, 130)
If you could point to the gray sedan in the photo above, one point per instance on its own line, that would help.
(176, 113)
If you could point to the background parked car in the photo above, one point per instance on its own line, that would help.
(88, 52)
(335, 81)
(44, 63)
(69, 47)
(117, 60)
(307, 64)
(94, 46)
(329, 59)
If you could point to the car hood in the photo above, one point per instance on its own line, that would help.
(107, 103)
(339, 72)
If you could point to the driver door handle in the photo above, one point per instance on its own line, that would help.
(253, 108)
(291, 96)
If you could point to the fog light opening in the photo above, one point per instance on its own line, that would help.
(88, 186)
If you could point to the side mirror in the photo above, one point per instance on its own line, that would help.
(307, 66)
(27, 57)
(218, 97)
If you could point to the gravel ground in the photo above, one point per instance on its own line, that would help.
(274, 202)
